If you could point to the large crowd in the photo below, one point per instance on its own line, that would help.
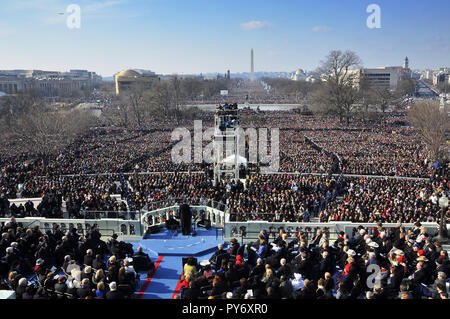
(261, 197)
(387, 200)
(112, 169)
(392, 152)
(68, 265)
(364, 148)
(277, 197)
(375, 263)
(115, 170)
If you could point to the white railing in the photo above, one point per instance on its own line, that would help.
(158, 217)
(249, 230)
(214, 211)
(108, 227)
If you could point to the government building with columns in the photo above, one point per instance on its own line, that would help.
(47, 83)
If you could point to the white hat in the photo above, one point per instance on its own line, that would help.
(23, 282)
(373, 244)
(40, 261)
(351, 252)
(229, 295)
(399, 252)
(113, 285)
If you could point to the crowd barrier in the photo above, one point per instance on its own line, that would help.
(248, 231)
(244, 231)
(350, 175)
(155, 214)
(22, 201)
(108, 226)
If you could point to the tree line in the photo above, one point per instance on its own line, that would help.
(31, 125)
(345, 91)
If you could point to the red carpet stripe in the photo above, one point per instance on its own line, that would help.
(178, 287)
(145, 285)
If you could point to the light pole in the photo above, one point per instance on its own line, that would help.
(443, 234)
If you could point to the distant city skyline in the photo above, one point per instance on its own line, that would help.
(193, 37)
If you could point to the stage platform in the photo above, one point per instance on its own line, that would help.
(166, 249)
(170, 243)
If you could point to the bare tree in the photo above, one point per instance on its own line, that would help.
(177, 98)
(295, 90)
(117, 112)
(383, 96)
(46, 132)
(134, 98)
(123, 111)
(339, 93)
(167, 99)
(367, 97)
(16, 105)
(432, 124)
(159, 99)
(192, 87)
(131, 107)
(406, 87)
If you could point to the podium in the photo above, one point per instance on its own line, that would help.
(186, 219)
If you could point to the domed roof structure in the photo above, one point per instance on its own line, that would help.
(128, 73)
(298, 75)
(129, 77)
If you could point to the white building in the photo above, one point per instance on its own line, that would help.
(441, 77)
(388, 77)
(311, 78)
(48, 83)
(428, 75)
(383, 76)
(298, 75)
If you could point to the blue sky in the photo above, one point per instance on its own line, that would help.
(193, 36)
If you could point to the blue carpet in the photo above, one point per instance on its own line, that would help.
(166, 243)
(173, 249)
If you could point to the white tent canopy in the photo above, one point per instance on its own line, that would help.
(230, 160)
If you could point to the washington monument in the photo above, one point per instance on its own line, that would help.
(252, 67)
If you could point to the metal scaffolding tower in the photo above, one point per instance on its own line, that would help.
(226, 143)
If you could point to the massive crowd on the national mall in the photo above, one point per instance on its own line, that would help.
(112, 170)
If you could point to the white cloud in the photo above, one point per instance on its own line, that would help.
(252, 25)
(322, 28)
